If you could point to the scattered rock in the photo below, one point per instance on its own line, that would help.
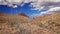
(17, 24)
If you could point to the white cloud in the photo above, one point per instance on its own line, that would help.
(52, 11)
(48, 12)
(11, 2)
(17, 2)
(38, 4)
(52, 6)
(46, 4)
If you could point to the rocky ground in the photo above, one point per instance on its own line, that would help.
(18, 24)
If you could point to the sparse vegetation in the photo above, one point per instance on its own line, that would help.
(17, 24)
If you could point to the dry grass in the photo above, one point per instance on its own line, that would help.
(17, 24)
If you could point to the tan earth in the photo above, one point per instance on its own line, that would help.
(18, 24)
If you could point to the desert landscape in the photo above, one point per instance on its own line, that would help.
(21, 24)
(29, 16)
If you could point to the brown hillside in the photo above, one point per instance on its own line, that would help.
(52, 23)
(1, 13)
(23, 14)
(39, 18)
(17, 24)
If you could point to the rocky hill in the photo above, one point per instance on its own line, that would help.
(23, 14)
(52, 23)
(18, 24)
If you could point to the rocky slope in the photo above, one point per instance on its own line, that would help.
(39, 18)
(23, 14)
(52, 23)
(18, 24)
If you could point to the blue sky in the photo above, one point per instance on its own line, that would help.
(41, 7)
(24, 9)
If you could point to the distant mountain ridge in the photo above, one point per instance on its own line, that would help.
(23, 14)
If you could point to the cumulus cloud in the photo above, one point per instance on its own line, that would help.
(52, 6)
(46, 4)
(38, 4)
(11, 3)
(54, 10)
